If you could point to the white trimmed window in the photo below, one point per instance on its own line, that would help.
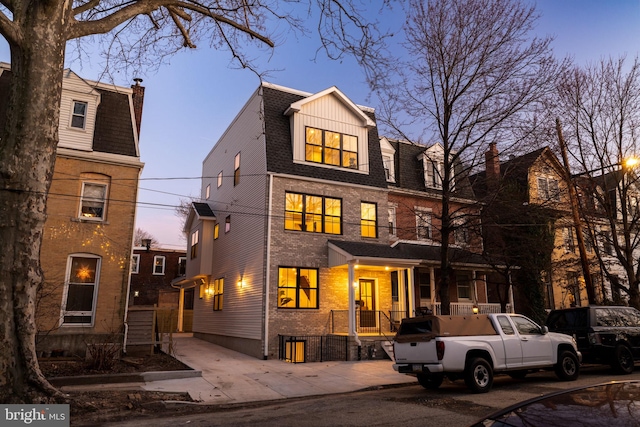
(195, 238)
(93, 201)
(392, 221)
(207, 192)
(423, 224)
(548, 189)
(158, 265)
(182, 265)
(236, 170)
(135, 263)
(80, 290)
(220, 179)
(79, 115)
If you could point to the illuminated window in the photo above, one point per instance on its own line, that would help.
(216, 231)
(314, 214)
(93, 201)
(297, 287)
(79, 115)
(158, 265)
(83, 273)
(218, 294)
(135, 263)
(195, 238)
(236, 170)
(331, 148)
(368, 219)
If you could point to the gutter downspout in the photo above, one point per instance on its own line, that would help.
(126, 302)
(267, 276)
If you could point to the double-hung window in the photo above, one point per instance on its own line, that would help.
(218, 294)
(236, 170)
(314, 214)
(135, 263)
(548, 189)
(392, 221)
(83, 274)
(567, 235)
(297, 287)
(195, 238)
(93, 201)
(368, 219)
(331, 148)
(79, 115)
(158, 265)
(423, 224)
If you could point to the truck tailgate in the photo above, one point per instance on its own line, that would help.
(415, 351)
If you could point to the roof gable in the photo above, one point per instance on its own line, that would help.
(297, 106)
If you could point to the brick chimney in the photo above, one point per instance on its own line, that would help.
(138, 101)
(492, 165)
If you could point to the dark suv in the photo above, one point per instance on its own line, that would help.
(604, 334)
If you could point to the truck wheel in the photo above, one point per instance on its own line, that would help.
(567, 368)
(478, 375)
(622, 360)
(430, 381)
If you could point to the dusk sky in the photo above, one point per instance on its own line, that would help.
(189, 103)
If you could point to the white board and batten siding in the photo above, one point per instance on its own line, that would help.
(238, 254)
(329, 113)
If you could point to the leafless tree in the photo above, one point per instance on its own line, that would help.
(136, 35)
(599, 108)
(468, 74)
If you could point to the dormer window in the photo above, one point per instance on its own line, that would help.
(388, 162)
(433, 164)
(79, 115)
(331, 148)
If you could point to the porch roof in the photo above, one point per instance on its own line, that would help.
(341, 252)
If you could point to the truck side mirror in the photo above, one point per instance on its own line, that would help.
(544, 330)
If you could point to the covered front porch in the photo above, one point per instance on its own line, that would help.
(413, 273)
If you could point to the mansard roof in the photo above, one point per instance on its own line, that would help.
(114, 128)
(279, 101)
(409, 170)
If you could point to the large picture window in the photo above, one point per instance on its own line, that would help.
(368, 220)
(297, 287)
(83, 273)
(92, 204)
(314, 214)
(331, 148)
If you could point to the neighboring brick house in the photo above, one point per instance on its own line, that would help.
(152, 272)
(414, 174)
(88, 233)
(533, 186)
(290, 242)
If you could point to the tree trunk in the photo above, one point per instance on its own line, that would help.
(27, 156)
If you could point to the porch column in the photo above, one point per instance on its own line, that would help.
(181, 311)
(474, 274)
(352, 299)
(411, 292)
(432, 284)
(402, 292)
(513, 307)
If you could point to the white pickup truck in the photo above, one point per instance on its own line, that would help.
(477, 346)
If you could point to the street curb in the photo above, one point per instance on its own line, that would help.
(123, 378)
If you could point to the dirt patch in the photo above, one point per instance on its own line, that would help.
(94, 407)
(57, 367)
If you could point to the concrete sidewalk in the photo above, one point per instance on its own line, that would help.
(232, 377)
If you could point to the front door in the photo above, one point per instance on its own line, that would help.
(367, 303)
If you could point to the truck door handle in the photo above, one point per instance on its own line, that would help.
(413, 344)
(524, 339)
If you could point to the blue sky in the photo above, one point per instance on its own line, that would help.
(190, 102)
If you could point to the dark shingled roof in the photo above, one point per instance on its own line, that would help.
(515, 169)
(114, 128)
(409, 171)
(280, 150)
(114, 125)
(203, 210)
(408, 251)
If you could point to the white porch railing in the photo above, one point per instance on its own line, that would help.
(464, 308)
